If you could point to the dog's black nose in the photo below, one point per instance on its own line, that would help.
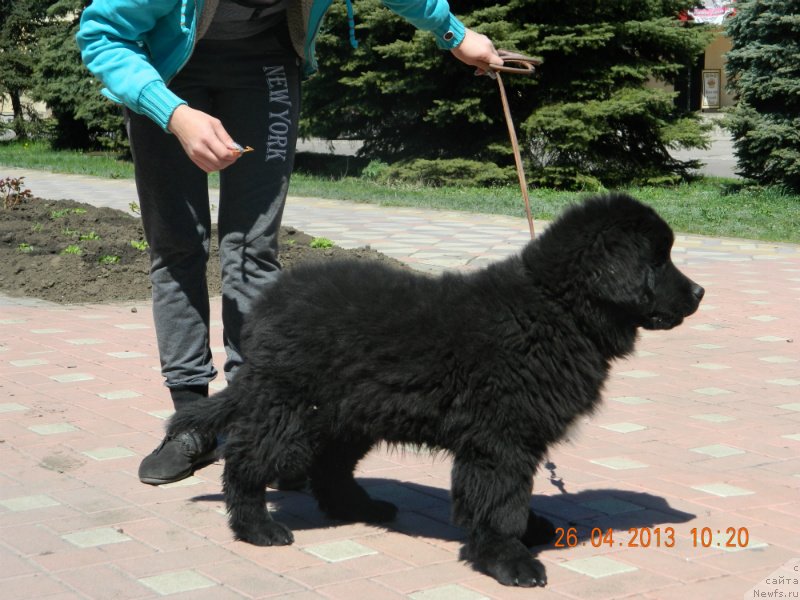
(698, 292)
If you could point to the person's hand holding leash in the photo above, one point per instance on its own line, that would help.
(477, 50)
(203, 138)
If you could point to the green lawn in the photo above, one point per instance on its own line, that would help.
(709, 206)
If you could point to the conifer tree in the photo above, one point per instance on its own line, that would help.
(19, 21)
(764, 72)
(586, 119)
(82, 117)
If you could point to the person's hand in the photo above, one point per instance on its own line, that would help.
(203, 138)
(477, 50)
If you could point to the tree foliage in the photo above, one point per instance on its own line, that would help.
(39, 60)
(586, 118)
(19, 22)
(764, 72)
(83, 118)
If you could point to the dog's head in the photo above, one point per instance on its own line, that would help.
(620, 250)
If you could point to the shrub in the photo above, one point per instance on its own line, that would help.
(455, 171)
(764, 72)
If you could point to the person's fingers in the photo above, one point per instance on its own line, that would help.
(477, 50)
(203, 138)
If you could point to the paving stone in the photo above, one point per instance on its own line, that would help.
(618, 463)
(126, 354)
(23, 503)
(340, 551)
(109, 453)
(722, 489)
(31, 362)
(624, 427)
(718, 450)
(612, 506)
(638, 374)
(72, 377)
(119, 395)
(448, 592)
(53, 428)
(95, 537)
(597, 566)
(177, 582)
(712, 391)
(786, 382)
(713, 418)
(632, 400)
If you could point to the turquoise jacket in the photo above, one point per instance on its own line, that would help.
(135, 47)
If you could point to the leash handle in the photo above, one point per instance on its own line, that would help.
(523, 65)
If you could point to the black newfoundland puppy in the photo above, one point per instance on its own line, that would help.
(492, 367)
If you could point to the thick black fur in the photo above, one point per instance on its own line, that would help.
(492, 367)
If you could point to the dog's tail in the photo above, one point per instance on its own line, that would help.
(210, 415)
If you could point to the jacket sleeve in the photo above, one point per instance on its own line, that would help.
(433, 16)
(111, 40)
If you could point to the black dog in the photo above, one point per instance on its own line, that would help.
(492, 367)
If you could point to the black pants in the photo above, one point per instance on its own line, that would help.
(253, 86)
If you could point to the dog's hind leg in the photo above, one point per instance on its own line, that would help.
(335, 488)
(492, 503)
(245, 480)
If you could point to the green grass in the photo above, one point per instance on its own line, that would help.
(709, 206)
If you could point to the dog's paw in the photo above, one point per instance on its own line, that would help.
(270, 533)
(539, 531)
(522, 571)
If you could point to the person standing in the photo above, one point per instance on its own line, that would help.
(196, 79)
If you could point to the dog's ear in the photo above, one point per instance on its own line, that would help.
(619, 270)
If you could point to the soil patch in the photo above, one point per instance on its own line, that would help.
(70, 252)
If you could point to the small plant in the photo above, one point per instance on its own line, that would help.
(13, 192)
(63, 212)
(141, 245)
(70, 233)
(108, 259)
(88, 236)
(23, 247)
(134, 208)
(37, 227)
(72, 249)
(290, 242)
(321, 242)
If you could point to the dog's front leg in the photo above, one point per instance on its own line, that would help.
(493, 504)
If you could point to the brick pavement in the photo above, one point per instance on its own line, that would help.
(700, 430)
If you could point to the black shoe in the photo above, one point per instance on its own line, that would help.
(178, 457)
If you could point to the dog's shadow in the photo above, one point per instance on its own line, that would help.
(590, 516)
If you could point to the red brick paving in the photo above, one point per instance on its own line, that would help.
(715, 402)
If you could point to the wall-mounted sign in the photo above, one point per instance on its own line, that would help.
(713, 11)
(711, 87)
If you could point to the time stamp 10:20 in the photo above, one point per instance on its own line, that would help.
(653, 537)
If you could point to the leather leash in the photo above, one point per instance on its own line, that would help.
(525, 65)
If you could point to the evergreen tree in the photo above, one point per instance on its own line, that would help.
(586, 118)
(764, 72)
(19, 20)
(83, 118)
